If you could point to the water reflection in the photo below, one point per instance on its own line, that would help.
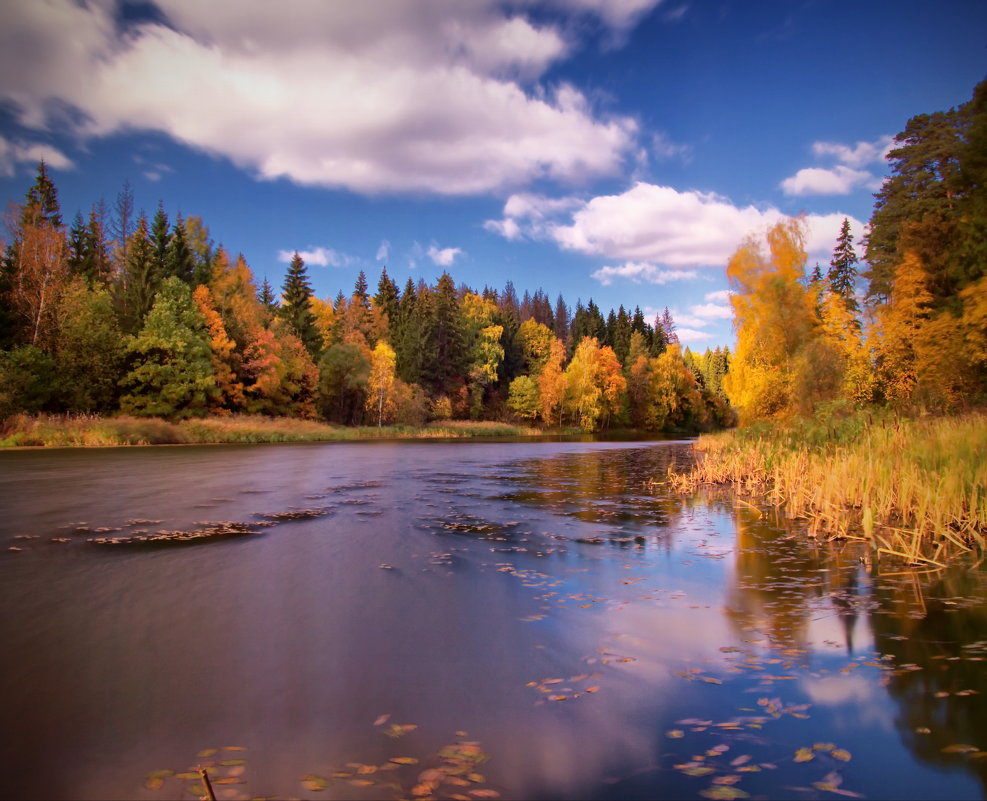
(597, 636)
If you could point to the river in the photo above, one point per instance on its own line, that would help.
(525, 620)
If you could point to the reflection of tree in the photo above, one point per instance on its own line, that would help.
(778, 575)
(607, 488)
(936, 634)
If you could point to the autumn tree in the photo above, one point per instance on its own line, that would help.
(89, 349)
(774, 316)
(380, 383)
(552, 384)
(225, 359)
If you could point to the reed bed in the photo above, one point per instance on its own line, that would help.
(96, 431)
(915, 489)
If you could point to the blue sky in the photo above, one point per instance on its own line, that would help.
(618, 150)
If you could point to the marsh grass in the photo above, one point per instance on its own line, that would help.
(96, 431)
(915, 489)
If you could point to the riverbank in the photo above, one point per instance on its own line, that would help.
(96, 431)
(915, 489)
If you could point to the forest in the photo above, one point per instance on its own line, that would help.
(116, 313)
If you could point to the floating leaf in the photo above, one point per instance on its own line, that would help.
(404, 760)
(841, 754)
(234, 748)
(698, 770)
(720, 792)
(207, 752)
(741, 760)
(484, 793)
(229, 763)
(804, 755)
(959, 748)
(711, 680)
(728, 779)
(675, 734)
(382, 719)
(315, 783)
(823, 746)
(361, 782)
(592, 689)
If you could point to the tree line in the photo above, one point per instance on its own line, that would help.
(918, 339)
(118, 313)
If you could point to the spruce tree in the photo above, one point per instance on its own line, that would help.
(41, 202)
(843, 269)
(295, 309)
(139, 281)
(179, 259)
(267, 298)
(160, 238)
(386, 301)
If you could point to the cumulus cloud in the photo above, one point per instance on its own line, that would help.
(383, 250)
(719, 296)
(389, 96)
(319, 256)
(846, 176)
(840, 180)
(16, 153)
(859, 155)
(688, 336)
(715, 311)
(655, 230)
(641, 272)
(443, 257)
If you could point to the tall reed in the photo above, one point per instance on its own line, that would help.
(913, 488)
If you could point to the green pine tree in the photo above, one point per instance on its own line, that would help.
(295, 309)
(171, 372)
(843, 269)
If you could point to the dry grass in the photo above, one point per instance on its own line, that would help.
(95, 431)
(913, 488)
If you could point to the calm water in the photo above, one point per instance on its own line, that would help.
(579, 633)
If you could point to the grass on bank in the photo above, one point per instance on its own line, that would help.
(916, 489)
(96, 431)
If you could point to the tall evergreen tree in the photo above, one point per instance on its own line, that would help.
(562, 320)
(386, 301)
(122, 227)
(179, 260)
(295, 309)
(139, 281)
(41, 202)
(843, 269)
(160, 238)
(267, 297)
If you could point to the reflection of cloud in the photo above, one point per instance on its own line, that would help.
(836, 690)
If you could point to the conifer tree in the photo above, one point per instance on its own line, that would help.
(843, 269)
(160, 239)
(41, 202)
(386, 301)
(139, 281)
(171, 372)
(295, 309)
(179, 259)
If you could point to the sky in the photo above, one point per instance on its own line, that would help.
(618, 150)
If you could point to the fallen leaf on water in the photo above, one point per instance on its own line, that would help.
(404, 760)
(741, 760)
(361, 783)
(728, 779)
(720, 792)
(592, 689)
(234, 748)
(382, 720)
(804, 755)
(207, 752)
(959, 748)
(484, 793)
(711, 680)
(841, 754)
(675, 733)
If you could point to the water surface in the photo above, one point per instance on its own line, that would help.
(541, 602)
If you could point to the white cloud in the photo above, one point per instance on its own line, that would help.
(320, 256)
(846, 176)
(840, 180)
(383, 250)
(664, 148)
(388, 96)
(443, 257)
(688, 336)
(655, 230)
(15, 153)
(719, 296)
(860, 155)
(641, 272)
(714, 311)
